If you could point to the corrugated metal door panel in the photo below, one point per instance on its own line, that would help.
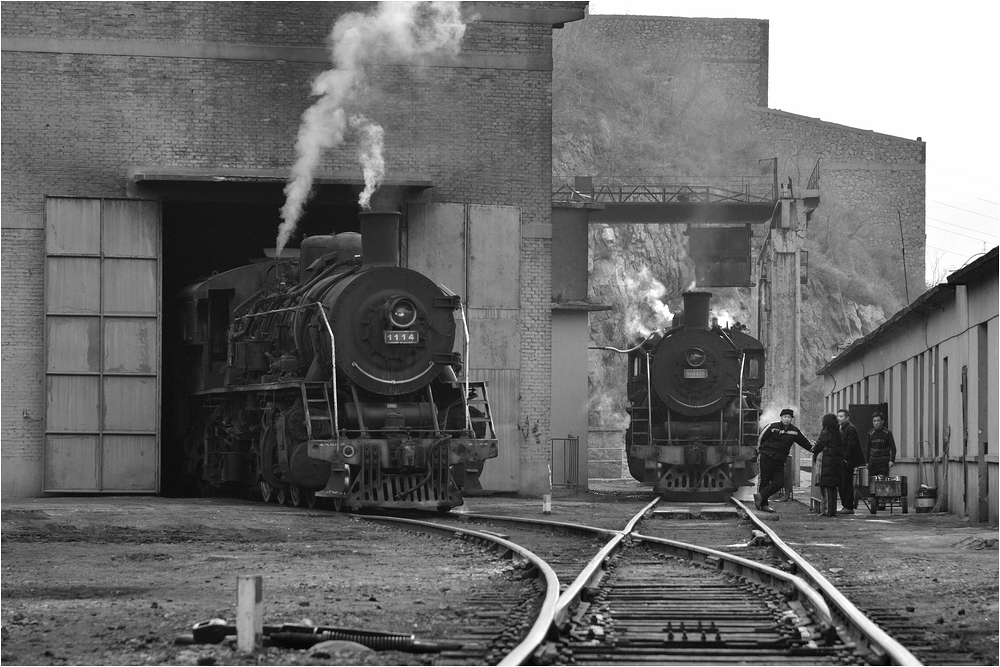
(131, 228)
(495, 343)
(435, 242)
(134, 458)
(494, 257)
(130, 345)
(71, 462)
(73, 403)
(74, 344)
(102, 345)
(73, 285)
(130, 403)
(72, 226)
(129, 286)
(504, 472)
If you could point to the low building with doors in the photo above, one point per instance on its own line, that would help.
(933, 368)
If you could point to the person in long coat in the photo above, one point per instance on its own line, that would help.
(831, 468)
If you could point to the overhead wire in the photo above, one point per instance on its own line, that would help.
(991, 217)
(961, 227)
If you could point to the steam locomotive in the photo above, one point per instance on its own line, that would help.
(333, 376)
(694, 403)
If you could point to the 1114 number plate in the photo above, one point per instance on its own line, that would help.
(401, 337)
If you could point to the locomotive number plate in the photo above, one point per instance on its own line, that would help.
(696, 373)
(401, 337)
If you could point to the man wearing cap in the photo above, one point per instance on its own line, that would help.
(775, 443)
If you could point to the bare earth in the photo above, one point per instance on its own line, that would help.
(96, 581)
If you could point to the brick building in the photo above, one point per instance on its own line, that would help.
(147, 144)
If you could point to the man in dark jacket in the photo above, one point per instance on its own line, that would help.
(853, 457)
(775, 442)
(881, 447)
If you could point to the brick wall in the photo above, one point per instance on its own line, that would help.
(90, 89)
(536, 361)
(21, 356)
(879, 179)
(730, 54)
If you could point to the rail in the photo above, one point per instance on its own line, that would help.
(546, 612)
(851, 620)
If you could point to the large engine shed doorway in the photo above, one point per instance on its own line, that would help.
(223, 227)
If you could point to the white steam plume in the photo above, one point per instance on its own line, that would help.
(724, 318)
(372, 163)
(393, 32)
(645, 312)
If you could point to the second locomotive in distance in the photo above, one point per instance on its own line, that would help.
(694, 404)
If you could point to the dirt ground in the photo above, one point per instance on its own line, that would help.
(95, 581)
(113, 581)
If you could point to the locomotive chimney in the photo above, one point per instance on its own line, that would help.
(379, 238)
(696, 309)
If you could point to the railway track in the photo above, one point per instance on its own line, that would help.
(604, 596)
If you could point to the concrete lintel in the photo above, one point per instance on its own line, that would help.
(580, 305)
(490, 14)
(151, 48)
(154, 174)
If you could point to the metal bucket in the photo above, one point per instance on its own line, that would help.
(862, 473)
(925, 499)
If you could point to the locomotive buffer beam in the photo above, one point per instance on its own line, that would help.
(349, 451)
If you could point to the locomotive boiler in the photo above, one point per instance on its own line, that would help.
(333, 376)
(694, 405)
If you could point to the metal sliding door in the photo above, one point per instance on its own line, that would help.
(102, 345)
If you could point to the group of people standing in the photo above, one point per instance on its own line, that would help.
(840, 446)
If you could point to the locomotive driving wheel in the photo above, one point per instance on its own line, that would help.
(272, 487)
(299, 496)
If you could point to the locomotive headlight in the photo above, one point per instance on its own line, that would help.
(695, 356)
(402, 313)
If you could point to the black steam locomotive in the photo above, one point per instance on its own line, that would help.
(333, 376)
(694, 404)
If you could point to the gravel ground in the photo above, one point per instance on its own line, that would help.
(113, 580)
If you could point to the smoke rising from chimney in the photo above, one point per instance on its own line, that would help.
(394, 32)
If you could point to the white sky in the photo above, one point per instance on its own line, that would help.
(904, 68)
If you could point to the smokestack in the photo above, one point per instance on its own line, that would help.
(380, 238)
(696, 309)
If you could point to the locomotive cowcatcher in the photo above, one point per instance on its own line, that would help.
(332, 376)
(694, 405)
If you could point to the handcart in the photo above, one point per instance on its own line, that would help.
(886, 493)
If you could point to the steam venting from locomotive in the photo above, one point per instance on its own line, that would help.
(647, 312)
(394, 32)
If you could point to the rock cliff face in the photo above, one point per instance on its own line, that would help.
(622, 113)
(642, 270)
